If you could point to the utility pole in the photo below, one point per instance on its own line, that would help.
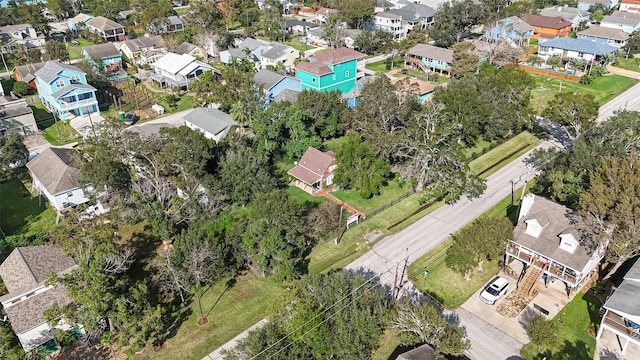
(395, 284)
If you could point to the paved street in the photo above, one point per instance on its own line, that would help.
(628, 100)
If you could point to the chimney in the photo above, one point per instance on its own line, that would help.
(32, 32)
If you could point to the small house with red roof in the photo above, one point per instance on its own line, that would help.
(332, 70)
(547, 26)
(314, 171)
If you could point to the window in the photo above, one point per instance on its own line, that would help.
(333, 77)
(70, 194)
(313, 80)
(346, 74)
(59, 83)
(75, 79)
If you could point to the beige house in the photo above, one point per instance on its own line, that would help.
(314, 171)
(16, 115)
(279, 55)
(143, 50)
(192, 50)
(24, 273)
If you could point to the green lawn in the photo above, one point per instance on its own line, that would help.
(632, 64)
(392, 191)
(533, 44)
(75, 51)
(20, 212)
(303, 197)
(60, 133)
(381, 66)
(571, 323)
(180, 12)
(184, 103)
(296, 44)
(503, 154)
(231, 311)
(603, 89)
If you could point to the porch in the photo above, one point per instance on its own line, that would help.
(549, 266)
(619, 336)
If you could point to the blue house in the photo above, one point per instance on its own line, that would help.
(586, 4)
(605, 36)
(274, 84)
(332, 70)
(63, 89)
(430, 58)
(625, 21)
(512, 28)
(352, 97)
(105, 55)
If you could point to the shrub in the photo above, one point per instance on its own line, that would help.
(586, 80)
(541, 331)
(20, 88)
(597, 71)
(64, 337)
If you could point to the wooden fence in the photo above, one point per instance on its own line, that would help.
(549, 73)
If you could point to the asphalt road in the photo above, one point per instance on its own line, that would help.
(628, 100)
(395, 251)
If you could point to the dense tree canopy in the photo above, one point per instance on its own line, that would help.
(453, 19)
(576, 112)
(360, 169)
(12, 150)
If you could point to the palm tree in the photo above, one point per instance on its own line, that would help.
(608, 58)
(576, 63)
(554, 62)
(534, 60)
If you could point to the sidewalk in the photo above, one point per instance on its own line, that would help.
(623, 72)
(325, 193)
(217, 353)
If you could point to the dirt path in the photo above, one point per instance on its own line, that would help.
(623, 72)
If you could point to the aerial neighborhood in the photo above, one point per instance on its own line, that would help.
(337, 179)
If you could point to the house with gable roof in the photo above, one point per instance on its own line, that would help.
(24, 273)
(107, 29)
(630, 6)
(390, 23)
(20, 37)
(552, 239)
(314, 171)
(108, 56)
(513, 28)
(79, 22)
(332, 70)
(323, 13)
(26, 73)
(273, 84)
(170, 24)
(16, 115)
(625, 21)
(429, 58)
(414, 15)
(279, 54)
(63, 89)
(622, 311)
(587, 4)
(570, 48)
(250, 49)
(575, 15)
(604, 35)
(146, 50)
(213, 123)
(547, 26)
(178, 70)
(191, 49)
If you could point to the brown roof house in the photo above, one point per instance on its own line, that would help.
(24, 273)
(26, 73)
(552, 239)
(314, 171)
(547, 26)
(424, 352)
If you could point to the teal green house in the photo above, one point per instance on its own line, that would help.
(331, 70)
(430, 58)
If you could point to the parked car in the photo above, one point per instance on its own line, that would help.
(494, 290)
(130, 119)
(74, 42)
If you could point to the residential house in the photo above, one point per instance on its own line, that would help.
(352, 97)
(512, 28)
(144, 50)
(279, 55)
(622, 311)
(125, 14)
(213, 123)
(630, 6)
(419, 89)
(16, 115)
(335, 69)
(382, 5)
(107, 29)
(24, 273)
(79, 22)
(315, 36)
(430, 58)
(63, 89)
(575, 15)
(170, 24)
(107, 56)
(423, 352)
(274, 83)
(55, 177)
(551, 239)
(569, 48)
(298, 27)
(349, 37)
(175, 70)
(547, 26)
(250, 49)
(20, 37)
(323, 13)
(390, 23)
(625, 21)
(26, 73)
(314, 171)
(603, 35)
(190, 49)
(587, 4)
(414, 15)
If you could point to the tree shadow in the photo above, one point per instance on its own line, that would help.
(526, 316)
(176, 315)
(400, 349)
(230, 283)
(569, 351)
(606, 354)
(593, 307)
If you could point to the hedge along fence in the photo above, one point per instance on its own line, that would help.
(549, 73)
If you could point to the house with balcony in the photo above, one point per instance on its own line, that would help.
(332, 70)
(575, 15)
(552, 239)
(622, 312)
(414, 15)
(107, 29)
(106, 56)
(429, 58)
(625, 21)
(167, 25)
(20, 37)
(314, 171)
(144, 50)
(16, 115)
(323, 13)
(24, 273)
(607, 36)
(279, 55)
(178, 71)
(63, 89)
(390, 23)
(273, 84)
(570, 48)
(547, 26)
(512, 28)
(630, 6)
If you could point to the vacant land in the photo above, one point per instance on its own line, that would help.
(75, 51)
(502, 154)
(394, 189)
(381, 66)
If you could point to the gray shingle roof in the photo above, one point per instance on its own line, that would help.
(432, 52)
(288, 95)
(184, 48)
(267, 78)
(579, 45)
(625, 298)
(174, 20)
(145, 42)
(566, 12)
(604, 32)
(102, 51)
(70, 87)
(211, 120)
(30, 69)
(102, 23)
(51, 69)
(249, 43)
(291, 23)
(54, 169)
(27, 314)
(424, 352)
(276, 51)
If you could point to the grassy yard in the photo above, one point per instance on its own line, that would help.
(296, 44)
(632, 64)
(303, 197)
(503, 154)
(572, 340)
(603, 89)
(393, 190)
(231, 310)
(60, 133)
(20, 212)
(75, 51)
(381, 66)
(180, 12)
(184, 103)
(533, 44)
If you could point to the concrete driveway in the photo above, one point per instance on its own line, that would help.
(153, 127)
(86, 125)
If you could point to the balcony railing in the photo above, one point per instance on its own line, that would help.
(549, 266)
(75, 104)
(618, 323)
